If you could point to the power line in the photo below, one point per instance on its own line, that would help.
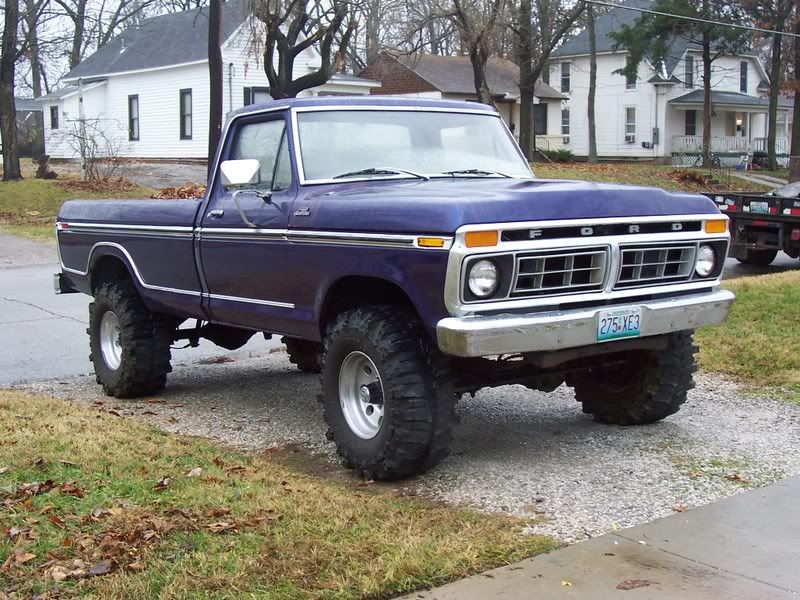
(695, 19)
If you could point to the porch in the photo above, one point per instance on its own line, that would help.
(738, 127)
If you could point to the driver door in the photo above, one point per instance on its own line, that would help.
(244, 266)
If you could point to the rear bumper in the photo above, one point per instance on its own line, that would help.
(556, 330)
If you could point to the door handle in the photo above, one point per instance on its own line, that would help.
(215, 214)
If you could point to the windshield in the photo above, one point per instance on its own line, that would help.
(393, 143)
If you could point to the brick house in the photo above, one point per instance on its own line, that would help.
(451, 78)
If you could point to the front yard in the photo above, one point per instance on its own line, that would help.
(646, 174)
(103, 505)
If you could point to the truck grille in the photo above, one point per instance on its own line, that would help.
(552, 273)
(653, 265)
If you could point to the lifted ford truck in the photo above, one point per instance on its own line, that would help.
(405, 251)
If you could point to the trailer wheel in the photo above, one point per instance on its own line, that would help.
(388, 399)
(647, 387)
(129, 345)
(759, 258)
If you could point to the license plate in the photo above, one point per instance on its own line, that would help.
(759, 207)
(614, 324)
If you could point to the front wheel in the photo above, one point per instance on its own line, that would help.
(388, 400)
(129, 345)
(644, 387)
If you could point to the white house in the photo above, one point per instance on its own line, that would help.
(451, 78)
(147, 90)
(659, 114)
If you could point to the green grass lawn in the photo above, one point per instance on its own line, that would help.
(759, 344)
(28, 207)
(100, 505)
(646, 174)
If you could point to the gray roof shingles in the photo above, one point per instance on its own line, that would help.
(165, 40)
(722, 99)
(613, 21)
(453, 75)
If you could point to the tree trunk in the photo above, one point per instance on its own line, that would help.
(8, 109)
(31, 21)
(214, 79)
(527, 133)
(706, 99)
(478, 58)
(794, 162)
(592, 82)
(774, 91)
(372, 33)
(79, 20)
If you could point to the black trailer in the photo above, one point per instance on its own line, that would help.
(762, 224)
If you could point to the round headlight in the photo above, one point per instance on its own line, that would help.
(706, 261)
(482, 279)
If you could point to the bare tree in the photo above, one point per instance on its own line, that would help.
(476, 22)
(592, 83)
(214, 78)
(96, 142)
(8, 108)
(295, 25)
(553, 19)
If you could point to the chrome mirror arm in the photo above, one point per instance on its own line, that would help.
(266, 196)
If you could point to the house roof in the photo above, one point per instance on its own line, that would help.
(70, 89)
(165, 40)
(453, 75)
(613, 21)
(28, 104)
(722, 99)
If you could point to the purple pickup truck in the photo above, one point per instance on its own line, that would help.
(404, 251)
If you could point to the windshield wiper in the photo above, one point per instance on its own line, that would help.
(382, 171)
(474, 172)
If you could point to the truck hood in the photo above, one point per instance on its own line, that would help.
(443, 205)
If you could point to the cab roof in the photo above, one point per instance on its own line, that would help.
(347, 101)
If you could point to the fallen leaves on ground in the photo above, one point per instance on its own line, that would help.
(632, 584)
(110, 185)
(188, 190)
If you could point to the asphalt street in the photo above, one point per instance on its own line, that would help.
(43, 335)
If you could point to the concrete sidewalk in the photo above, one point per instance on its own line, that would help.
(744, 547)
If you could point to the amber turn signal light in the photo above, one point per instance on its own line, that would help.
(716, 226)
(430, 242)
(480, 239)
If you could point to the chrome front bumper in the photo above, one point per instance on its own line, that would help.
(556, 330)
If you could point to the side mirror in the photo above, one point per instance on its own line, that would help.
(240, 173)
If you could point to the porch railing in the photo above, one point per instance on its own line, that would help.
(781, 145)
(694, 143)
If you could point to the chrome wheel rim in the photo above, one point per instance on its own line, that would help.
(361, 395)
(110, 345)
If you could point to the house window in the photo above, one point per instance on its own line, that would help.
(540, 119)
(133, 118)
(743, 76)
(630, 80)
(565, 77)
(256, 95)
(565, 126)
(630, 125)
(690, 120)
(53, 117)
(688, 72)
(186, 114)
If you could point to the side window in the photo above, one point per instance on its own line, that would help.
(265, 141)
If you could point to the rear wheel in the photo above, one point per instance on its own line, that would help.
(388, 400)
(759, 258)
(306, 355)
(644, 388)
(129, 345)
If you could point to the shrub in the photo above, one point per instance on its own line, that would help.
(561, 155)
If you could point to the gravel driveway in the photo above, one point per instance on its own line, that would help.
(516, 451)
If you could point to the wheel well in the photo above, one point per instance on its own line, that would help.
(107, 269)
(355, 291)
